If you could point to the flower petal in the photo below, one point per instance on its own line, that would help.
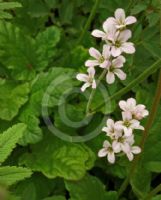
(125, 35)
(128, 47)
(108, 23)
(116, 146)
(102, 152)
(106, 144)
(120, 74)
(91, 72)
(94, 53)
(111, 157)
(127, 115)
(115, 51)
(97, 33)
(110, 77)
(130, 156)
(136, 149)
(131, 102)
(106, 51)
(85, 86)
(91, 63)
(82, 77)
(94, 84)
(120, 14)
(123, 105)
(130, 20)
(118, 62)
(105, 64)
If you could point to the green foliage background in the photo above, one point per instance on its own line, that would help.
(41, 40)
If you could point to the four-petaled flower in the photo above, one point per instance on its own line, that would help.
(108, 151)
(101, 60)
(138, 111)
(121, 21)
(88, 79)
(114, 69)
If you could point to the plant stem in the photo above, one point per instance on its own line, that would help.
(89, 20)
(153, 192)
(149, 123)
(133, 83)
(93, 91)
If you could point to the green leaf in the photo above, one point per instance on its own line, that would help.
(9, 5)
(55, 198)
(8, 140)
(45, 43)
(139, 8)
(12, 97)
(12, 174)
(57, 158)
(158, 197)
(87, 188)
(140, 181)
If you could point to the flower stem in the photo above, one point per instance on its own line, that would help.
(93, 92)
(133, 83)
(153, 192)
(89, 20)
(149, 123)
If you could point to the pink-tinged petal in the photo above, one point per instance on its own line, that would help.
(128, 47)
(130, 156)
(111, 157)
(123, 105)
(128, 131)
(141, 127)
(120, 14)
(116, 146)
(130, 20)
(110, 123)
(105, 64)
(108, 23)
(125, 35)
(82, 77)
(105, 129)
(106, 51)
(98, 34)
(125, 147)
(102, 153)
(94, 84)
(127, 116)
(135, 124)
(136, 149)
(95, 53)
(85, 86)
(120, 74)
(131, 102)
(91, 63)
(115, 51)
(110, 77)
(119, 62)
(106, 144)
(119, 125)
(91, 71)
(130, 140)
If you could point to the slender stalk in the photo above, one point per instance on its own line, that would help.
(132, 84)
(153, 192)
(150, 121)
(93, 92)
(89, 20)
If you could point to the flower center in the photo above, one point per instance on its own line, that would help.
(101, 59)
(127, 123)
(121, 140)
(117, 43)
(112, 68)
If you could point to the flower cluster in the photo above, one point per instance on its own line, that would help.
(116, 36)
(121, 133)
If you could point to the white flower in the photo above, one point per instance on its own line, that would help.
(108, 151)
(138, 111)
(133, 150)
(111, 129)
(121, 21)
(128, 124)
(109, 31)
(119, 44)
(88, 79)
(114, 69)
(100, 59)
(123, 143)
